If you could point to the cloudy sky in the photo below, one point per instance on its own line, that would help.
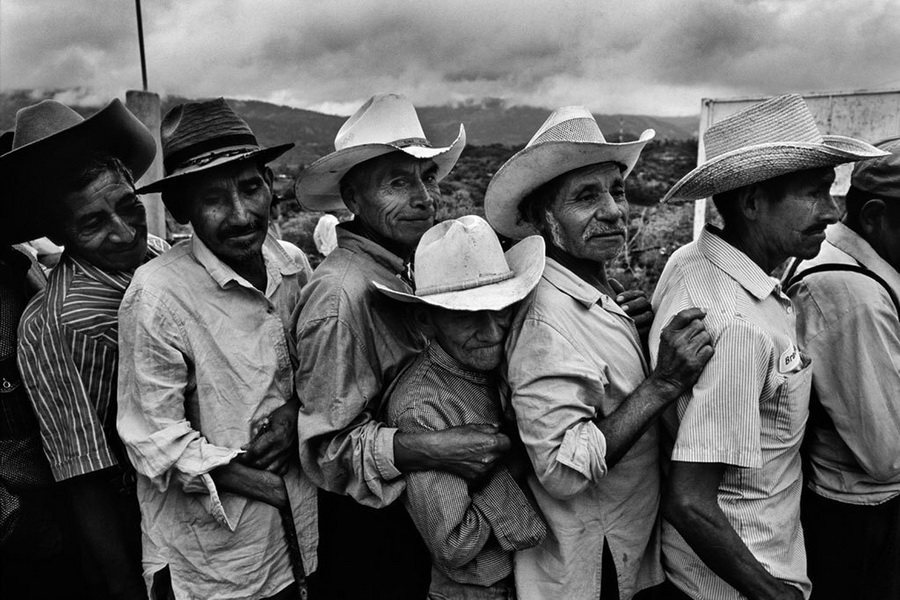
(627, 56)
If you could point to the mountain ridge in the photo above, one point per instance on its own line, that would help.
(487, 122)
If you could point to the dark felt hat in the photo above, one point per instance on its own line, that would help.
(880, 177)
(50, 139)
(198, 136)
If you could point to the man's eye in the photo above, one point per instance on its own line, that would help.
(430, 178)
(398, 183)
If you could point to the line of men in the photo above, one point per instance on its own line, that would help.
(490, 424)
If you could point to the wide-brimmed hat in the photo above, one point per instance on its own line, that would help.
(51, 138)
(385, 123)
(569, 139)
(199, 136)
(461, 266)
(763, 141)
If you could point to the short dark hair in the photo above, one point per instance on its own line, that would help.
(537, 202)
(726, 202)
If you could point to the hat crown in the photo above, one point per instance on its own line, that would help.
(880, 177)
(383, 119)
(783, 119)
(459, 254)
(194, 129)
(569, 124)
(41, 120)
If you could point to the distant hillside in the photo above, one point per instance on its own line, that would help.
(488, 122)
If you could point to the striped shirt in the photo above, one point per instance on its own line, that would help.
(471, 535)
(747, 411)
(68, 357)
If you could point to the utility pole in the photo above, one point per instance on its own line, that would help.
(145, 105)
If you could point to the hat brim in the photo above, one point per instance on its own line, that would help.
(752, 164)
(113, 130)
(525, 260)
(534, 166)
(318, 186)
(264, 155)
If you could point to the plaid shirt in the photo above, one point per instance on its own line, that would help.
(68, 357)
(471, 535)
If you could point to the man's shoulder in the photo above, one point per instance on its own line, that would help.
(341, 283)
(168, 266)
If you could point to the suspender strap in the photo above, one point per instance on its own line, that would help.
(793, 277)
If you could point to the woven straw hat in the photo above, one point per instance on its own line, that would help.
(51, 138)
(385, 123)
(461, 266)
(569, 139)
(198, 136)
(763, 141)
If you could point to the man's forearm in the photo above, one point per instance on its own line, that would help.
(251, 483)
(104, 532)
(691, 506)
(625, 425)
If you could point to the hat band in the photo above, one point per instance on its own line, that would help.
(464, 285)
(208, 158)
(200, 150)
(415, 141)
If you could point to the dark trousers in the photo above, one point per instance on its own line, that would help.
(853, 552)
(368, 554)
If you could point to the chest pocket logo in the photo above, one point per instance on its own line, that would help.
(790, 360)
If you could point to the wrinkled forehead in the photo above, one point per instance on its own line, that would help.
(605, 174)
(375, 170)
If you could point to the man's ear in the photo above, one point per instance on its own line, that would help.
(269, 176)
(422, 319)
(349, 196)
(871, 216)
(750, 201)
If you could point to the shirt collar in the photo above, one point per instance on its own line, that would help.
(736, 264)
(580, 290)
(848, 241)
(278, 264)
(354, 242)
(117, 280)
(440, 357)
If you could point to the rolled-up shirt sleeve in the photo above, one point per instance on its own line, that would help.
(555, 394)
(151, 419)
(343, 447)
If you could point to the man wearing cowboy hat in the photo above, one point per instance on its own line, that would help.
(465, 294)
(207, 408)
(847, 321)
(585, 400)
(732, 510)
(352, 343)
(67, 335)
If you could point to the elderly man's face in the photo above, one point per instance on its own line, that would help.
(105, 223)
(394, 197)
(587, 218)
(229, 210)
(794, 224)
(474, 338)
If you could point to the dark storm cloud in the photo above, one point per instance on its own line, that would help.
(657, 56)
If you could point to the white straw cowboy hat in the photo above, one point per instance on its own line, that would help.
(763, 141)
(569, 139)
(49, 139)
(461, 266)
(199, 136)
(385, 123)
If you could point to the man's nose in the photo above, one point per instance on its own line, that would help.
(122, 230)
(421, 196)
(494, 327)
(831, 212)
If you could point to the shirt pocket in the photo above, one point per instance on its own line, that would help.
(792, 404)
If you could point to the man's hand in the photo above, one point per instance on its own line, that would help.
(636, 305)
(275, 443)
(469, 451)
(256, 484)
(684, 349)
